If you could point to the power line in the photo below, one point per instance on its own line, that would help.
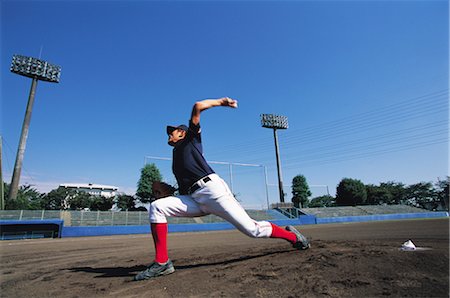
(405, 143)
(287, 145)
(319, 161)
(406, 135)
(381, 121)
(379, 131)
(406, 103)
(364, 147)
(420, 107)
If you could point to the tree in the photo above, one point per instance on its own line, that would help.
(397, 190)
(351, 192)
(80, 200)
(28, 198)
(386, 193)
(422, 195)
(101, 203)
(442, 188)
(376, 195)
(149, 174)
(57, 199)
(322, 201)
(300, 191)
(125, 202)
(140, 208)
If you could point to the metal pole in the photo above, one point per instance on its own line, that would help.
(231, 177)
(267, 187)
(280, 178)
(14, 188)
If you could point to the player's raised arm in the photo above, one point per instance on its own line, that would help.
(209, 103)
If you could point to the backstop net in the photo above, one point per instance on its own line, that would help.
(248, 182)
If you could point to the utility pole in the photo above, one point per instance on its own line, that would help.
(276, 122)
(37, 70)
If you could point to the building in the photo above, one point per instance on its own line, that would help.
(106, 191)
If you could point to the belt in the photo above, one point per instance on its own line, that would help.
(196, 186)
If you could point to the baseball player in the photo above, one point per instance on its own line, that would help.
(202, 192)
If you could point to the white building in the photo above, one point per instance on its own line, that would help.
(106, 191)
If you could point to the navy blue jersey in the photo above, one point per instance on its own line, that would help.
(188, 163)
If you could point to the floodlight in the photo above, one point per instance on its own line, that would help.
(35, 68)
(38, 70)
(274, 121)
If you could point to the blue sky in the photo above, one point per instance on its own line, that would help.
(363, 83)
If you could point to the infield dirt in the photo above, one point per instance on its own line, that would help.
(345, 260)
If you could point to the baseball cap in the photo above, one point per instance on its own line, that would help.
(170, 129)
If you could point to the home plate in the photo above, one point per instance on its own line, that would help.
(410, 246)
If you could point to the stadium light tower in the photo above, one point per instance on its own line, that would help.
(276, 122)
(37, 70)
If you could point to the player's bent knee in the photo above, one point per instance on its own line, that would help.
(156, 212)
(153, 206)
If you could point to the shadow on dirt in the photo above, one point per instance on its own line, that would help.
(231, 261)
(110, 271)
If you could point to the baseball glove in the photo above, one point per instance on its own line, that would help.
(162, 190)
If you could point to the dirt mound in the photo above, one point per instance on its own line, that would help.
(360, 260)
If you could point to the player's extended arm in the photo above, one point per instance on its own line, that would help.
(209, 103)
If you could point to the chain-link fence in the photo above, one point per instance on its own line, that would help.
(113, 218)
(29, 214)
(80, 218)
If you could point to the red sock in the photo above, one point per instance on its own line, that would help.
(159, 233)
(278, 232)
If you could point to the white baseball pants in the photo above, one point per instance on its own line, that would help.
(213, 197)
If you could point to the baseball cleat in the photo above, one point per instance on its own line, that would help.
(155, 270)
(302, 243)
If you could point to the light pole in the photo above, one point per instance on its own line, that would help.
(276, 122)
(37, 70)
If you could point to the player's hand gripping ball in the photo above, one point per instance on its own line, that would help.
(162, 190)
(228, 102)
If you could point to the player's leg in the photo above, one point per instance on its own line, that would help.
(180, 206)
(176, 206)
(219, 200)
(228, 208)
